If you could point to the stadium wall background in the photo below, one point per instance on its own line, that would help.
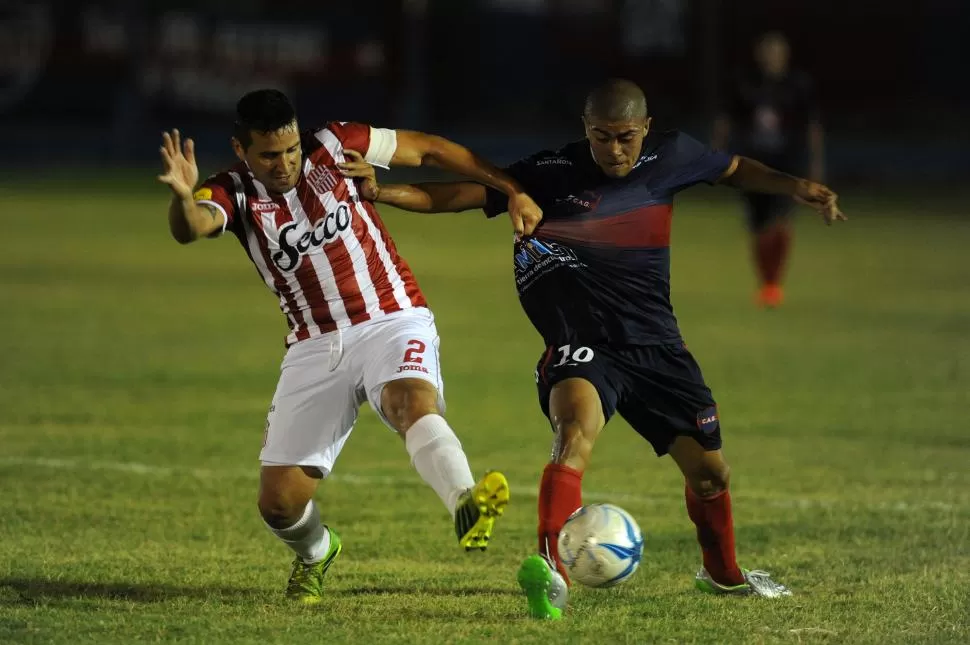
(94, 82)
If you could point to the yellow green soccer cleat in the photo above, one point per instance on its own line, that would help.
(306, 582)
(756, 583)
(477, 509)
(545, 590)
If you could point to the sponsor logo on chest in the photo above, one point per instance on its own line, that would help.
(299, 237)
(645, 159)
(588, 200)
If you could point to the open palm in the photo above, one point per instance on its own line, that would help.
(821, 198)
(181, 172)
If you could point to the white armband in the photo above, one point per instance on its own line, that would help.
(383, 145)
(218, 207)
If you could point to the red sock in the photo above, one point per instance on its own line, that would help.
(780, 245)
(771, 253)
(560, 494)
(715, 533)
(762, 255)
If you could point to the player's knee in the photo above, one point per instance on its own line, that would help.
(280, 509)
(406, 400)
(710, 479)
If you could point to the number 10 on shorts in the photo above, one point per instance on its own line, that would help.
(579, 355)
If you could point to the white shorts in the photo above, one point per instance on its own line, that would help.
(324, 381)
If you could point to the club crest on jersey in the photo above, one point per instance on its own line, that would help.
(297, 238)
(321, 180)
(707, 420)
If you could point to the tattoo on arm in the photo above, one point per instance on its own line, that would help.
(212, 210)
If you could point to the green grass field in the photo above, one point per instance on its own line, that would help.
(135, 376)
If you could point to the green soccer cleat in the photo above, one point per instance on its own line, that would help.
(477, 509)
(306, 582)
(545, 590)
(756, 583)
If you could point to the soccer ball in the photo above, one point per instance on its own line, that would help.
(600, 545)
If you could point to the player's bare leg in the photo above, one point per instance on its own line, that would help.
(411, 406)
(577, 417)
(707, 475)
(287, 506)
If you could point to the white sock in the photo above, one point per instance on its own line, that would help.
(437, 456)
(308, 538)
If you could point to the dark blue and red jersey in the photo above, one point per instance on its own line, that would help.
(597, 269)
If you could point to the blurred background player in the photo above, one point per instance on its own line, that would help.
(360, 329)
(594, 280)
(771, 114)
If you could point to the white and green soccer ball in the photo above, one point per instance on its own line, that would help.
(600, 545)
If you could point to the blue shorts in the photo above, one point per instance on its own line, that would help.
(658, 389)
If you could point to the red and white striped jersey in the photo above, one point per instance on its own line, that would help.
(321, 248)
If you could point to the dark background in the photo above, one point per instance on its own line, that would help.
(86, 83)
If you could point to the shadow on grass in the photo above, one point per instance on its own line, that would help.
(34, 591)
(377, 590)
(26, 591)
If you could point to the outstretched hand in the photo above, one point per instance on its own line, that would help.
(178, 160)
(821, 198)
(363, 173)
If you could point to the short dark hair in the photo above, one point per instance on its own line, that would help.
(263, 111)
(616, 100)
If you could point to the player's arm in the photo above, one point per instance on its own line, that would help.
(433, 197)
(429, 197)
(410, 148)
(420, 149)
(187, 220)
(753, 176)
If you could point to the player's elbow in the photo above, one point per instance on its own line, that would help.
(737, 175)
(435, 151)
(183, 235)
(418, 149)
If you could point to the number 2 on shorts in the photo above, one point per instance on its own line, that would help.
(415, 349)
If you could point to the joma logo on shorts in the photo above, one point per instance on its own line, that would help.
(413, 368)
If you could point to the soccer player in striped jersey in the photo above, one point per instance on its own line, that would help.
(359, 325)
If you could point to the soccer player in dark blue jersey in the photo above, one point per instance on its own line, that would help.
(594, 278)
